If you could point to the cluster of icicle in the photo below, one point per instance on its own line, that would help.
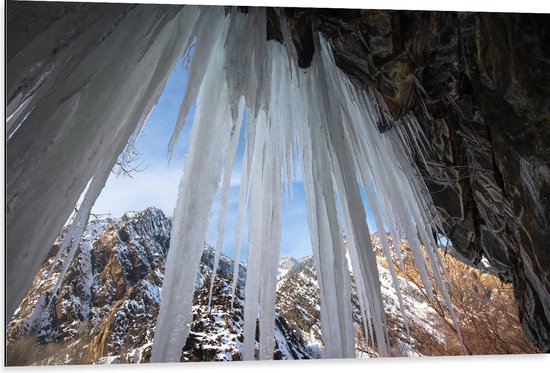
(315, 115)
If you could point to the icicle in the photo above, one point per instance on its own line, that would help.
(241, 216)
(359, 245)
(353, 212)
(331, 267)
(260, 61)
(74, 235)
(283, 118)
(230, 158)
(430, 248)
(387, 251)
(392, 198)
(253, 43)
(203, 165)
(207, 36)
(239, 48)
(255, 240)
(264, 237)
(363, 259)
(272, 238)
(271, 186)
(66, 240)
(361, 163)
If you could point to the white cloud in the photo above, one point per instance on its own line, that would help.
(235, 177)
(156, 186)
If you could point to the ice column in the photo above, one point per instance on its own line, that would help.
(197, 191)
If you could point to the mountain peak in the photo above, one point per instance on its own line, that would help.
(107, 308)
(149, 211)
(286, 263)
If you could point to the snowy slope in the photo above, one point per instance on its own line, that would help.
(298, 302)
(108, 304)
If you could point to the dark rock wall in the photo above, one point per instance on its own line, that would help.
(479, 83)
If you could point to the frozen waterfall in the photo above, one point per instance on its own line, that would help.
(315, 116)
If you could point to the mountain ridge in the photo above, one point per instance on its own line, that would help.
(106, 308)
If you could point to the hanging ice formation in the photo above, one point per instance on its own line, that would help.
(333, 124)
(316, 113)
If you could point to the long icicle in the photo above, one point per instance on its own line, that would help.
(331, 265)
(241, 216)
(197, 70)
(197, 191)
(255, 239)
(228, 167)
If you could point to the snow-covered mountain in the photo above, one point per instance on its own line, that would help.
(107, 304)
(111, 291)
(298, 302)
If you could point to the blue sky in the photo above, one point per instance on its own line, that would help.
(157, 184)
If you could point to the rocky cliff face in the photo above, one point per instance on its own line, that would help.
(480, 85)
(109, 295)
(107, 306)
